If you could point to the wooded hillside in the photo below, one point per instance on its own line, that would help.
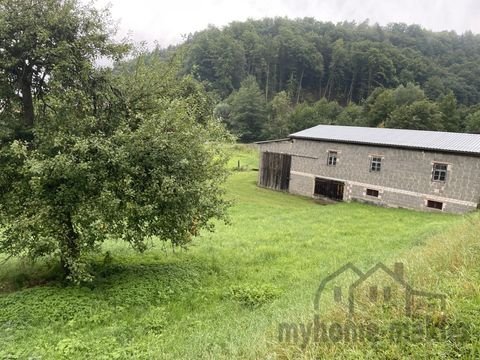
(434, 77)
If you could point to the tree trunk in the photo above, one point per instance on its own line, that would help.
(369, 80)
(266, 83)
(70, 249)
(350, 92)
(280, 78)
(328, 87)
(27, 101)
(300, 86)
(328, 91)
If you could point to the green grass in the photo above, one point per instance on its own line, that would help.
(221, 299)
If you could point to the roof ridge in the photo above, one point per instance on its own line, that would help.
(405, 138)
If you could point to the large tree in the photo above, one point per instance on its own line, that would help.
(132, 154)
(45, 39)
(277, 124)
(420, 115)
(248, 111)
(473, 122)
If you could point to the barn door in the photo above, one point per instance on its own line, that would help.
(275, 171)
(329, 188)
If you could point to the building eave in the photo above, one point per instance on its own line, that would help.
(387, 146)
(271, 141)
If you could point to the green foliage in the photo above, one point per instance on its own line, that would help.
(223, 112)
(379, 106)
(278, 123)
(343, 62)
(435, 87)
(403, 107)
(407, 95)
(450, 115)
(156, 173)
(420, 115)
(247, 111)
(473, 122)
(352, 114)
(406, 107)
(45, 40)
(218, 58)
(178, 306)
(321, 112)
(378, 68)
(253, 296)
(131, 154)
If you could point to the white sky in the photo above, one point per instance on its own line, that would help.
(167, 21)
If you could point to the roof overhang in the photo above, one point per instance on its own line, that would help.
(385, 146)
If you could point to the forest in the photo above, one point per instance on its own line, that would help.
(273, 76)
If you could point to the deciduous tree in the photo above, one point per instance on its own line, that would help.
(130, 155)
(41, 40)
(473, 123)
(248, 111)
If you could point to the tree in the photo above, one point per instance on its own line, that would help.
(473, 123)
(222, 112)
(343, 62)
(321, 112)
(383, 102)
(434, 87)
(352, 115)
(379, 106)
(131, 155)
(450, 115)
(248, 111)
(217, 58)
(406, 95)
(420, 115)
(278, 124)
(45, 39)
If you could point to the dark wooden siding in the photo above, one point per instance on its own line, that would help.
(275, 171)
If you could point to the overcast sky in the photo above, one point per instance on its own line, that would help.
(167, 21)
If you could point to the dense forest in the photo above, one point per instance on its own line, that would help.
(270, 77)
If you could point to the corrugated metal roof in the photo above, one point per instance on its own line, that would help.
(416, 139)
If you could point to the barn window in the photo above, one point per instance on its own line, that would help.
(435, 204)
(371, 192)
(439, 172)
(376, 163)
(332, 158)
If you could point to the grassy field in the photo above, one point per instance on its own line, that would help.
(226, 295)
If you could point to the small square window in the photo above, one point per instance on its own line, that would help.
(434, 204)
(376, 164)
(439, 172)
(374, 193)
(332, 158)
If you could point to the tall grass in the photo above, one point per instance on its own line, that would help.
(446, 263)
(226, 295)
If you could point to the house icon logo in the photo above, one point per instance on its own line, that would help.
(378, 285)
(404, 312)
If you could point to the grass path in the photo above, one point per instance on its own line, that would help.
(221, 299)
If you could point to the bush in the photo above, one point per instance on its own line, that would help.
(253, 295)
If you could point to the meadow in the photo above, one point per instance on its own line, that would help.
(224, 297)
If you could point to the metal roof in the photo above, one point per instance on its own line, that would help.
(415, 139)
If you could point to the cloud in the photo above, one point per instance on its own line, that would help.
(167, 21)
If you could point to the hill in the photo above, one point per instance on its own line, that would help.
(308, 72)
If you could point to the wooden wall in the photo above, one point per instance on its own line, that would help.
(275, 171)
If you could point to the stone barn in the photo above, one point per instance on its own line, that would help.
(423, 170)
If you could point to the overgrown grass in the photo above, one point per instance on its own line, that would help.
(226, 295)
